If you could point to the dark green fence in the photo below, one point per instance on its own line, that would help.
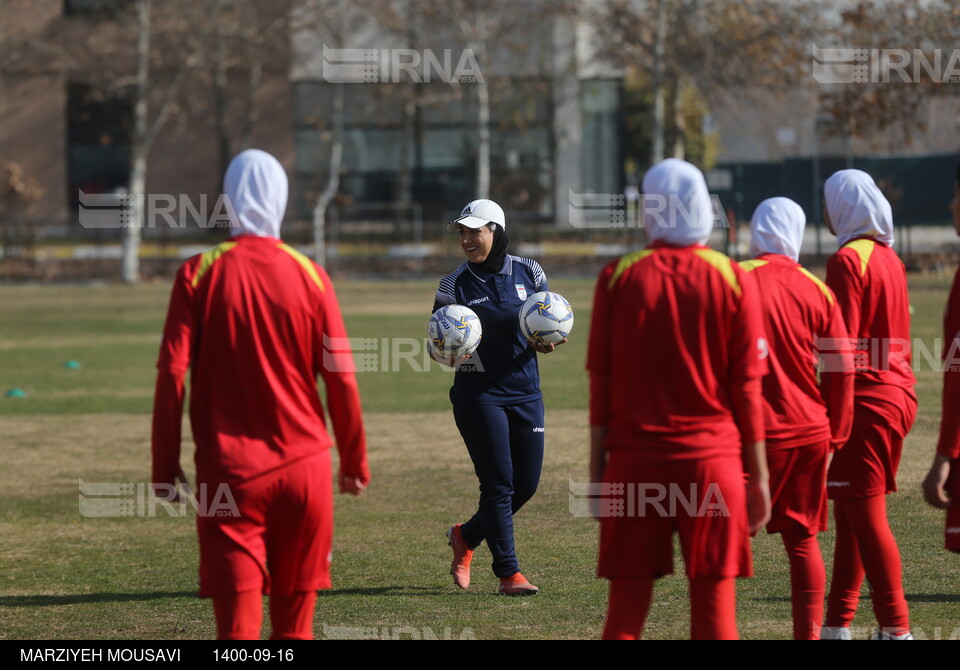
(919, 188)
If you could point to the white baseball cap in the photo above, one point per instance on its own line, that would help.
(479, 213)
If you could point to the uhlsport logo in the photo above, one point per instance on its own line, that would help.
(846, 65)
(391, 66)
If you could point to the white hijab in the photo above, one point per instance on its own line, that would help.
(257, 188)
(676, 204)
(777, 228)
(857, 208)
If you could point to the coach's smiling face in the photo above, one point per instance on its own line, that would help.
(476, 242)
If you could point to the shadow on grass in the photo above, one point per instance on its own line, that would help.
(913, 598)
(933, 598)
(386, 591)
(79, 599)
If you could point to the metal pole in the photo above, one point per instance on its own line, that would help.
(815, 187)
(418, 237)
(334, 226)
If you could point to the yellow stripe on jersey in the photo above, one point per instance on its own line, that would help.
(864, 249)
(820, 285)
(305, 263)
(750, 266)
(208, 258)
(626, 262)
(723, 265)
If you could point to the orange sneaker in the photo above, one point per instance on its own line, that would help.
(462, 555)
(517, 585)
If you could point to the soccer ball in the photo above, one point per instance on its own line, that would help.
(546, 318)
(454, 332)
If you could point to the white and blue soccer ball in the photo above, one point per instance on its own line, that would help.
(546, 318)
(454, 332)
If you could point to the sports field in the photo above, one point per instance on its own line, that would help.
(66, 575)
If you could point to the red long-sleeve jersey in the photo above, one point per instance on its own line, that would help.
(255, 321)
(676, 355)
(870, 283)
(804, 326)
(949, 444)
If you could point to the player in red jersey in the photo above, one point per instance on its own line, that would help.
(805, 420)
(941, 487)
(870, 283)
(676, 355)
(255, 322)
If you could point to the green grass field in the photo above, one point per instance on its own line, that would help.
(70, 576)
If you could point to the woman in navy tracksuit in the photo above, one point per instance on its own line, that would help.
(496, 395)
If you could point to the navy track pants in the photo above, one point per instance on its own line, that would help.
(506, 446)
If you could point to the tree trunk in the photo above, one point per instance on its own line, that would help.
(130, 272)
(657, 153)
(131, 234)
(407, 137)
(3, 22)
(333, 180)
(252, 114)
(679, 142)
(220, 95)
(483, 113)
(483, 141)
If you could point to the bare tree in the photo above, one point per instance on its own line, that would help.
(424, 27)
(142, 56)
(19, 194)
(475, 23)
(333, 179)
(713, 45)
(422, 24)
(3, 44)
(145, 129)
(658, 65)
(250, 35)
(148, 55)
(330, 20)
(415, 22)
(900, 85)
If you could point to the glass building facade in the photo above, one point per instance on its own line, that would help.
(419, 142)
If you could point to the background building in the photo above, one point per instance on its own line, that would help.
(554, 123)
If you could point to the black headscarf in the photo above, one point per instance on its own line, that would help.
(498, 252)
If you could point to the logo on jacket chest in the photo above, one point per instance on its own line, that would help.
(478, 300)
(521, 291)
